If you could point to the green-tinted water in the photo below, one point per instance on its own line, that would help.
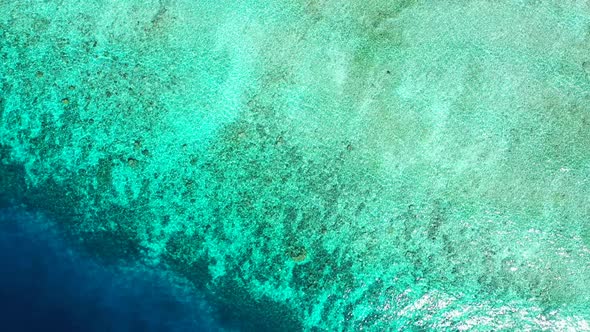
(316, 165)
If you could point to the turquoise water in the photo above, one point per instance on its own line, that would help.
(315, 165)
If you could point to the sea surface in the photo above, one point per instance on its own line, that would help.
(295, 165)
(46, 286)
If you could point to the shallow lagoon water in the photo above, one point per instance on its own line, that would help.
(314, 165)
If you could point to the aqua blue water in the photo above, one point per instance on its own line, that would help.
(312, 165)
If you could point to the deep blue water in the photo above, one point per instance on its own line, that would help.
(44, 286)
